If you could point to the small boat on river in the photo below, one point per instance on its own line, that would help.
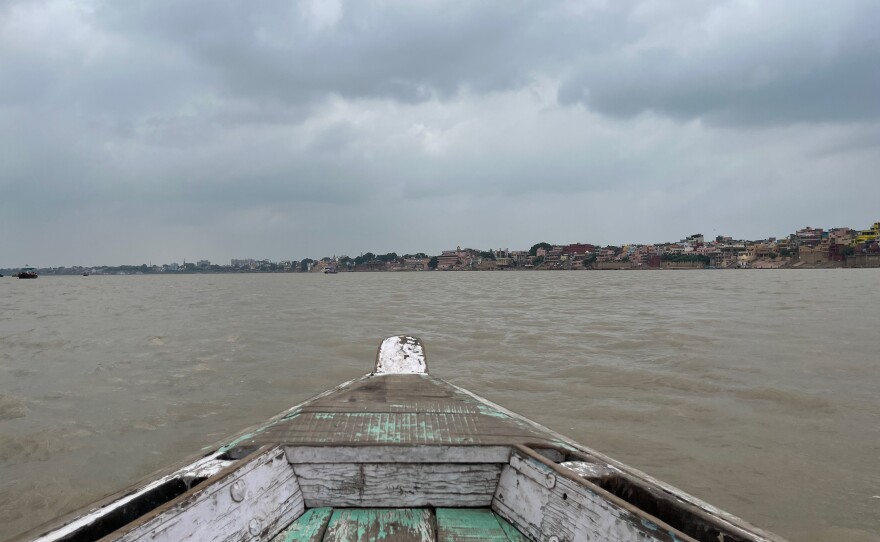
(400, 455)
(330, 270)
(27, 273)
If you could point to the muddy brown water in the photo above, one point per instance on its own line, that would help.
(758, 391)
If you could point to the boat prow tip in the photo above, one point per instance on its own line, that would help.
(401, 354)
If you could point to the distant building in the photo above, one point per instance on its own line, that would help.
(448, 259)
(578, 249)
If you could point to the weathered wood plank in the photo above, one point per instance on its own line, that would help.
(88, 522)
(397, 454)
(512, 534)
(391, 525)
(401, 355)
(309, 527)
(567, 509)
(462, 524)
(255, 499)
(398, 485)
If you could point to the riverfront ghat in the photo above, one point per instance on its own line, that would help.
(807, 248)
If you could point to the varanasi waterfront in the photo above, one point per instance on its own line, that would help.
(756, 391)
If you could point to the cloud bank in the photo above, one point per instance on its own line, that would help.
(156, 131)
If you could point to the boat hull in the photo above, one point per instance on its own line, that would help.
(399, 438)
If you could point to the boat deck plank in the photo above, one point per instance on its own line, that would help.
(396, 409)
(309, 527)
(387, 524)
(463, 524)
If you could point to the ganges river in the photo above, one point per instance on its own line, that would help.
(757, 391)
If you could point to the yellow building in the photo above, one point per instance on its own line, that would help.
(868, 236)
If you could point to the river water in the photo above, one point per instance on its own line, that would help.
(758, 391)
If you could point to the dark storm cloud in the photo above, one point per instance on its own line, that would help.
(183, 113)
(762, 63)
(730, 62)
(395, 50)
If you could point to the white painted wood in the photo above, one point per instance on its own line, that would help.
(401, 355)
(569, 510)
(534, 470)
(397, 485)
(397, 454)
(258, 500)
(203, 468)
(723, 519)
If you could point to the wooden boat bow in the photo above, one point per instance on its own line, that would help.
(400, 451)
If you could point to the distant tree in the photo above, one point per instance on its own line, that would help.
(773, 255)
(390, 257)
(534, 250)
(489, 255)
(304, 265)
(364, 258)
(538, 260)
(326, 259)
(432, 263)
(785, 253)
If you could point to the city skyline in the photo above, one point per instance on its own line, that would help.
(686, 239)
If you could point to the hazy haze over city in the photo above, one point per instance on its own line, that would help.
(156, 131)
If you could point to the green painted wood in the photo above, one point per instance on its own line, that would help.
(512, 534)
(381, 524)
(309, 527)
(395, 409)
(461, 524)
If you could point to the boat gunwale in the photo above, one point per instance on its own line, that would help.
(546, 439)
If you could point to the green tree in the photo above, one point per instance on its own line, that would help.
(534, 250)
(391, 256)
(304, 265)
(489, 255)
(432, 263)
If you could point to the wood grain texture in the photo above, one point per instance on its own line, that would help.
(256, 499)
(512, 534)
(464, 524)
(398, 485)
(414, 409)
(568, 510)
(309, 527)
(397, 454)
(390, 525)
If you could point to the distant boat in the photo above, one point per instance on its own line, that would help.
(27, 273)
(85, 274)
(330, 269)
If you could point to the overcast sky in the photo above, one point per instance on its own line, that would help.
(136, 131)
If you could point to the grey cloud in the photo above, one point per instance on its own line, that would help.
(818, 68)
(206, 116)
(392, 51)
